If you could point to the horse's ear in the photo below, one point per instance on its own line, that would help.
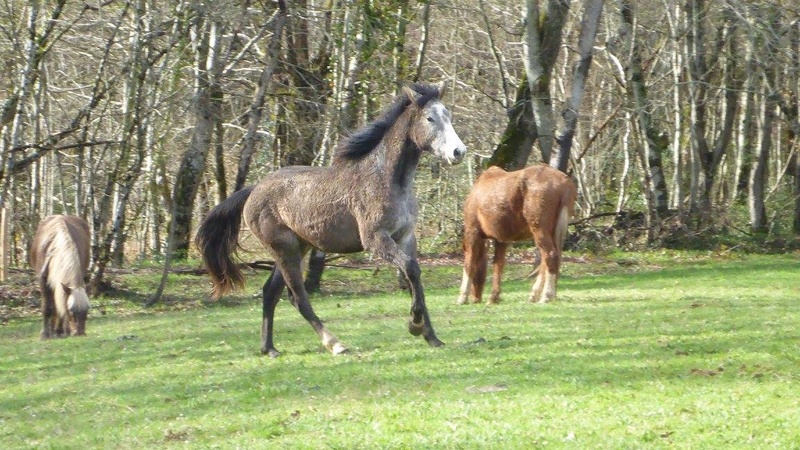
(442, 86)
(410, 93)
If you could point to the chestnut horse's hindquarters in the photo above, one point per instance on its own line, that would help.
(536, 202)
(550, 271)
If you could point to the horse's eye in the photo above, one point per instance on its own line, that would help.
(430, 119)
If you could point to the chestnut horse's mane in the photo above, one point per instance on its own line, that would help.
(366, 139)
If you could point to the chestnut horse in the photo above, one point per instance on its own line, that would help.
(505, 207)
(60, 258)
(364, 201)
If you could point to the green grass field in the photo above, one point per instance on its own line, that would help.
(656, 350)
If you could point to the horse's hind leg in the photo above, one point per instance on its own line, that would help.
(498, 264)
(270, 294)
(544, 289)
(474, 276)
(293, 274)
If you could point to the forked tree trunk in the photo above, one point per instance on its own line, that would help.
(543, 35)
(515, 146)
(591, 19)
(707, 157)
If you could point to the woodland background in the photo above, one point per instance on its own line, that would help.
(677, 119)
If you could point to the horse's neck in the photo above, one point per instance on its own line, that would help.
(401, 156)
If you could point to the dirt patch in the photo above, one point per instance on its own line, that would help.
(19, 296)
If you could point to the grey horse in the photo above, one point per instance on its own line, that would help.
(363, 201)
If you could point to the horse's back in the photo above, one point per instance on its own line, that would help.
(553, 188)
(509, 205)
(79, 231)
(75, 227)
(314, 204)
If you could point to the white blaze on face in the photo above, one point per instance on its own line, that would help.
(446, 144)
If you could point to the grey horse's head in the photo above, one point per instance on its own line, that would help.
(433, 130)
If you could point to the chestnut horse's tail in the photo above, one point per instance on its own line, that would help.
(217, 239)
(564, 214)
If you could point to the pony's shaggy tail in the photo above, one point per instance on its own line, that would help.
(217, 239)
(566, 211)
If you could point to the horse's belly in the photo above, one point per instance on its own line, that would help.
(508, 229)
(338, 234)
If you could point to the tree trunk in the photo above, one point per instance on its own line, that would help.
(206, 110)
(423, 42)
(758, 178)
(257, 107)
(589, 24)
(745, 132)
(796, 194)
(515, 146)
(654, 142)
(696, 48)
(543, 35)
(316, 265)
(767, 114)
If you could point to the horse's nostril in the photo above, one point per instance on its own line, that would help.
(458, 152)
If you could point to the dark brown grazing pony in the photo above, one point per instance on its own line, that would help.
(364, 201)
(535, 202)
(60, 258)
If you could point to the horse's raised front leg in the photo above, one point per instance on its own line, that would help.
(405, 258)
(270, 295)
(498, 264)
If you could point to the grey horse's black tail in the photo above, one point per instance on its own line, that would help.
(217, 239)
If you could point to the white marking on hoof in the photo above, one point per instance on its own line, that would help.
(339, 349)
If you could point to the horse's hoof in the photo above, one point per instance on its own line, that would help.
(415, 329)
(272, 353)
(461, 301)
(433, 341)
(339, 349)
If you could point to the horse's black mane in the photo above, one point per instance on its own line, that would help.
(367, 138)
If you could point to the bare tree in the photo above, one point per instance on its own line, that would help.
(258, 106)
(591, 19)
(709, 156)
(531, 114)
